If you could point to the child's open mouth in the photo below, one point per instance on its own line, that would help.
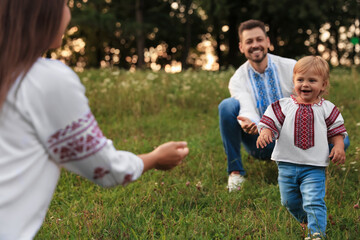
(306, 91)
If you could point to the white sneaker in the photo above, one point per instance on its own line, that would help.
(235, 181)
(315, 236)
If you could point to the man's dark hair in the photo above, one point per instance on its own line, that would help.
(250, 24)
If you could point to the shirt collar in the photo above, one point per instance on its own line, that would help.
(268, 68)
(296, 102)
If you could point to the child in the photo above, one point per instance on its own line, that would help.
(302, 126)
(46, 122)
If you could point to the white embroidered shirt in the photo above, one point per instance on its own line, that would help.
(256, 91)
(45, 125)
(302, 130)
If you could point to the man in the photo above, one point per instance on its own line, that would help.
(260, 81)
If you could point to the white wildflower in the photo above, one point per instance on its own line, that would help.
(186, 87)
(151, 76)
(106, 81)
(125, 84)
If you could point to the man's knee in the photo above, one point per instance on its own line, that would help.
(228, 105)
(346, 142)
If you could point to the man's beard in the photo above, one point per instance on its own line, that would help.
(257, 60)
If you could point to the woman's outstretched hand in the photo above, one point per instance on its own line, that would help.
(166, 156)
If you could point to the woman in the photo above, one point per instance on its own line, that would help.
(46, 122)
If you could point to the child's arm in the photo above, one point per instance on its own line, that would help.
(337, 154)
(265, 137)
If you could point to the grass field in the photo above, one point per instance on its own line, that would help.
(141, 110)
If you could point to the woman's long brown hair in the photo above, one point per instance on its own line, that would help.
(27, 29)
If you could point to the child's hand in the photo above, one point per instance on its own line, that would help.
(265, 137)
(337, 155)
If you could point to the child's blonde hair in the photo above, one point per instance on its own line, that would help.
(319, 67)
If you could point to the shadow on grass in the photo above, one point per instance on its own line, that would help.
(261, 170)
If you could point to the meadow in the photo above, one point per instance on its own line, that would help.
(141, 110)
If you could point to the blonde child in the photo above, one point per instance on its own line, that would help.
(303, 126)
(46, 122)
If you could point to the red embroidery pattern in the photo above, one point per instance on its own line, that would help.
(338, 130)
(127, 179)
(270, 123)
(332, 117)
(99, 172)
(304, 127)
(278, 112)
(78, 140)
(319, 103)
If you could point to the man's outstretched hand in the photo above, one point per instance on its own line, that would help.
(247, 125)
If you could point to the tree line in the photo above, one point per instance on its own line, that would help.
(123, 33)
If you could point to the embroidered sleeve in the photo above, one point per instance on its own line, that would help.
(81, 148)
(62, 119)
(278, 112)
(267, 122)
(332, 117)
(273, 119)
(335, 123)
(78, 140)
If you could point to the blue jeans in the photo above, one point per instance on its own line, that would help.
(233, 136)
(302, 190)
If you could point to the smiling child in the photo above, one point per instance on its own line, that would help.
(306, 128)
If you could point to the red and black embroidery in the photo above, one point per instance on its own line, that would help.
(269, 123)
(304, 127)
(278, 112)
(99, 172)
(338, 130)
(332, 117)
(127, 179)
(78, 140)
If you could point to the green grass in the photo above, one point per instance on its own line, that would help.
(141, 110)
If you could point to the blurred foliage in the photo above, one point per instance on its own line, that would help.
(179, 25)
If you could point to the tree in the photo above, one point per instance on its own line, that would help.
(117, 33)
(96, 23)
(140, 38)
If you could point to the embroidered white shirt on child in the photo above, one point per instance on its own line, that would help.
(302, 130)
